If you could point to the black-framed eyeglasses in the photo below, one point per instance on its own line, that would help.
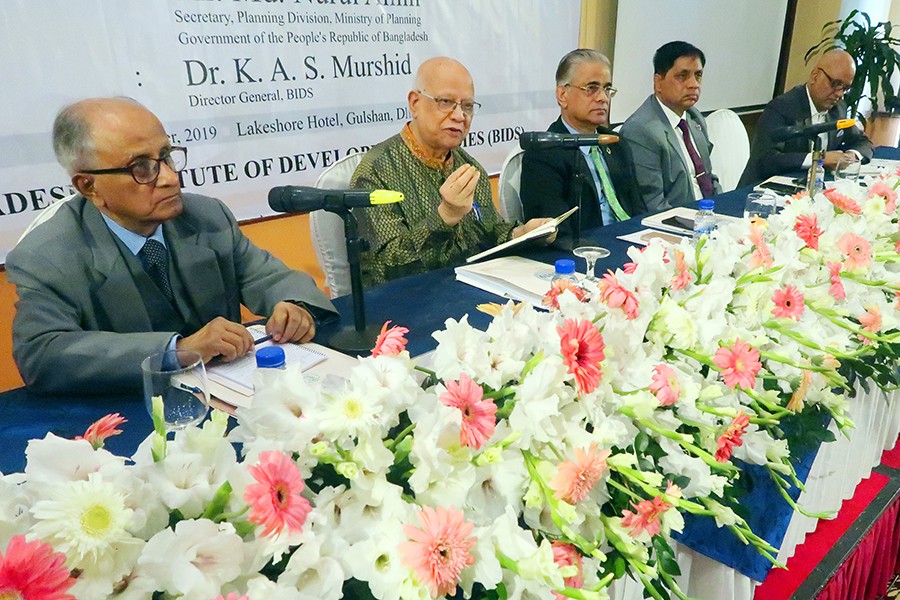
(592, 89)
(836, 84)
(468, 108)
(145, 170)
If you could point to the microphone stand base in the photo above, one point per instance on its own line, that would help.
(351, 341)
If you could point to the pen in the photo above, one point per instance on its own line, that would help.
(187, 388)
(264, 338)
(476, 210)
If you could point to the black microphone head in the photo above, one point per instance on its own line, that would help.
(534, 139)
(278, 198)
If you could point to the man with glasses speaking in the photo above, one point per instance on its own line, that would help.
(820, 100)
(447, 213)
(609, 189)
(131, 266)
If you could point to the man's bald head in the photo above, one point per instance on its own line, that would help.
(73, 128)
(439, 68)
(832, 75)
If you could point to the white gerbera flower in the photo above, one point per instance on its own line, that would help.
(351, 412)
(87, 521)
(82, 519)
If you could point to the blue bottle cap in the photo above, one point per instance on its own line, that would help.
(270, 357)
(707, 204)
(564, 266)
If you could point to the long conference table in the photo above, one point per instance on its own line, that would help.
(714, 565)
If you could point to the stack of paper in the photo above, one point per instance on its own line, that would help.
(511, 277)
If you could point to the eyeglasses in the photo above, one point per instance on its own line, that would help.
(447, 105)
(836, 84)
(145, 170)
(592, 89)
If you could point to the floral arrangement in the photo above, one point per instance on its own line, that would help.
(546, 456)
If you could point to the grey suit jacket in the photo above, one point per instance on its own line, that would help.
(81, 323)
(661, 171)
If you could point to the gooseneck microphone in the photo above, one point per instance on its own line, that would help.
(533, 140)
(304, 199)
(783, 134)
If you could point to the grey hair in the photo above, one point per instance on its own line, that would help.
(570, 62)
(73, 142)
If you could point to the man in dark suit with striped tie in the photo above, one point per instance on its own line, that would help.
(609, 190)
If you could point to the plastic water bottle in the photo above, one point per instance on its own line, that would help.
(815, 179)
(705, 219)
(564, 269)
(819, 182)
(270, 364)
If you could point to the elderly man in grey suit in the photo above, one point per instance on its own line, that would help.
(132, 266)
(667, 135)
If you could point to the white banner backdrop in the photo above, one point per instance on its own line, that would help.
(264, 92)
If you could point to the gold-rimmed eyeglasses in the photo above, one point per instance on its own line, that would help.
(468, 107)
(592, 89)
(145, 170)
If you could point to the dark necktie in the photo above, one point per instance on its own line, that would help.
(155, 259)
(704, 179)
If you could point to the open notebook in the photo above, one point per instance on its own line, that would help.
(232, 382)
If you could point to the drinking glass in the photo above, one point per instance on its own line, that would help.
(847, 168)
(178, 377)
(759, 205)
(590, 254)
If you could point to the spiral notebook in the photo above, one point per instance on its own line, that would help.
(238, 375)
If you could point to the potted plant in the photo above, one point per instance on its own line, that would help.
(875, 51)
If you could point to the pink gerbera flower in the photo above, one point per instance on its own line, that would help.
(567, 555)
(843, 203)
(101, 429)
(478, 416)
(837, 286)
(232, 596)
(807, 229)
(883, 189)
(788, 303)
(614, 295)
(390, 342)
(582, 347)
(665, 385)
(857, 250)
(275, 500)
(551, 298)
(739, 364)
(33, 571)
(575, 479)
(647, 516)
(761, 256)
(439, 551)
(732, 437)
(682, 276)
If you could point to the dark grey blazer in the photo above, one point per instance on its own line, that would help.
(768, 158)
(82, 324)
(659, 164)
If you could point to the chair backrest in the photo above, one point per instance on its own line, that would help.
(509, 185)
(327, 229)
(44, 215)
(731, 147)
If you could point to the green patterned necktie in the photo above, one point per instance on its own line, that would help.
(608, 189)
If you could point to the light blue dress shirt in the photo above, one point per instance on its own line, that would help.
(605, 212)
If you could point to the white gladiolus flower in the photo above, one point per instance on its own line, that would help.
(194, 559)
